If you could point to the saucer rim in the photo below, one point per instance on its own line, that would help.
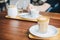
(27, 16)
(41, 36)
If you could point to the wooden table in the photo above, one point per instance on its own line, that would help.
(17, 29)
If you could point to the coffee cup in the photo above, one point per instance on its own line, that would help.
(43, 23)
(12, 11)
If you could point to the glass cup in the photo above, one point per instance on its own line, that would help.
(12, 11)
(34, 13)
(43, 23)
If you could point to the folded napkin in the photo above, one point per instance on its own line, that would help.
(57, 37)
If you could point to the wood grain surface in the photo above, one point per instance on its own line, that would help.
(11, 29)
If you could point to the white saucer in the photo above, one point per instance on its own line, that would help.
(26, 15)
(52, 31)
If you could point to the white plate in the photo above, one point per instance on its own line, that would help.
(26, 15)
(52, 31)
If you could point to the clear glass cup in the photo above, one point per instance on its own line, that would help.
(34, 13)
(12, 11)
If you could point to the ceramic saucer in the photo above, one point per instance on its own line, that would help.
(26, 15)
(52, 31)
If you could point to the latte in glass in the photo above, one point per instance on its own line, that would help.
(43, 23)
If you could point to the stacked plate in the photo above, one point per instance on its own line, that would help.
(34, 32)
(26, 16)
